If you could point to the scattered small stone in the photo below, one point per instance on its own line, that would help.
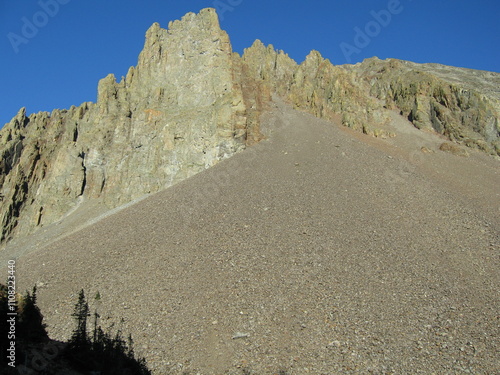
(240, 335)
(454, 149)
(334, 343)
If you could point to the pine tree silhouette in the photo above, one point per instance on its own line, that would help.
(100, 351)
(79, 338)
(31, 327)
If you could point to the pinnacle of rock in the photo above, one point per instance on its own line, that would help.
(250, 214)
(191, 102)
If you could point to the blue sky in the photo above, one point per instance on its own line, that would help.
(53, 52)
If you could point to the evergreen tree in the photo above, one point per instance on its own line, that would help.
(100, 351)
(31, 327)
(80, 338)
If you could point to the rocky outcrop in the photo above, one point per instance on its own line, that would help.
(191, 101)
(315, 86)
(179, 111)
(461, 104)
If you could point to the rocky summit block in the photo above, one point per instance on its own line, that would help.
(191, 101)
(179, 111)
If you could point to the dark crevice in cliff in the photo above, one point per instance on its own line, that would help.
(39, 220)
(84, 168)
(103, 184)
(11, 157)
(75, 134)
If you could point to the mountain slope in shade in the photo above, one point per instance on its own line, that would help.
(319, 250)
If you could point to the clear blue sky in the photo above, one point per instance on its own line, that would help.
(59, 64)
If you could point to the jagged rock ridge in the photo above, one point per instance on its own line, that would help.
(177, 112)
(191, 101)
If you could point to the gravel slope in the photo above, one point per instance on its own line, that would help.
(317, 251)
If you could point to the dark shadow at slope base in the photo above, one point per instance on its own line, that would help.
(30, 350)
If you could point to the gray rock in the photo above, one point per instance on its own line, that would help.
(191, 102)
(179, 111)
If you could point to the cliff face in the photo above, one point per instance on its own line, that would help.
(191, 102)
(462, 104)
(315, 86)
(179, 111)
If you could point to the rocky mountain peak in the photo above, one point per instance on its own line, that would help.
(314, 58)
(191, 102)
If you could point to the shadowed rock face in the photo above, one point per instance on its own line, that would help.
(191, 102)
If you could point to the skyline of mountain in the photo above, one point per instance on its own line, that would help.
(53, 51)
